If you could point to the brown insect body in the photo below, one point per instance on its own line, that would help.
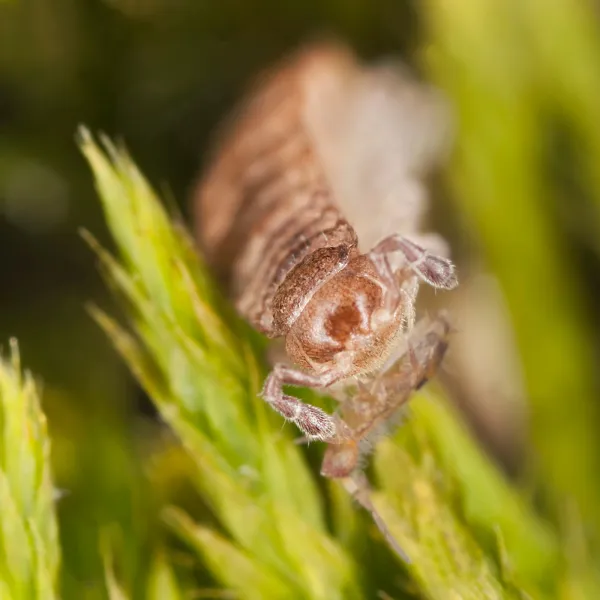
(268, 220)
(339, 327)
(265, 204)
(370, 407)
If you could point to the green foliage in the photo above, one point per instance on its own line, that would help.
(162, 583)
(204, 378)
(468, 532)
(514, 91)
(243, 513)
(29, 548)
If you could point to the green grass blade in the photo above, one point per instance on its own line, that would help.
(197, 364)
(29, 548)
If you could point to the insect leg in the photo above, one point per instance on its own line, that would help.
(340, 460)
(358, 487)
(437, 271)
(402, 286)
(315, 423)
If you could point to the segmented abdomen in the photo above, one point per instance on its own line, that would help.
(265, 203)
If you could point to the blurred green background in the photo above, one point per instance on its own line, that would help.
(157, 74)
(520, 202)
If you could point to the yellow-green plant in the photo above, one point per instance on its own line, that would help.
(511, 90)
(29, 548)
(469, 534)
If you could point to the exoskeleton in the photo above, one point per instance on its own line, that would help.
(270, 217)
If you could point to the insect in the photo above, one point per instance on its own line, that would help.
(269, 219)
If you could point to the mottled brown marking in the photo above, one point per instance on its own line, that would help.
(313, 335)
(303, 281)
(344, 321)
